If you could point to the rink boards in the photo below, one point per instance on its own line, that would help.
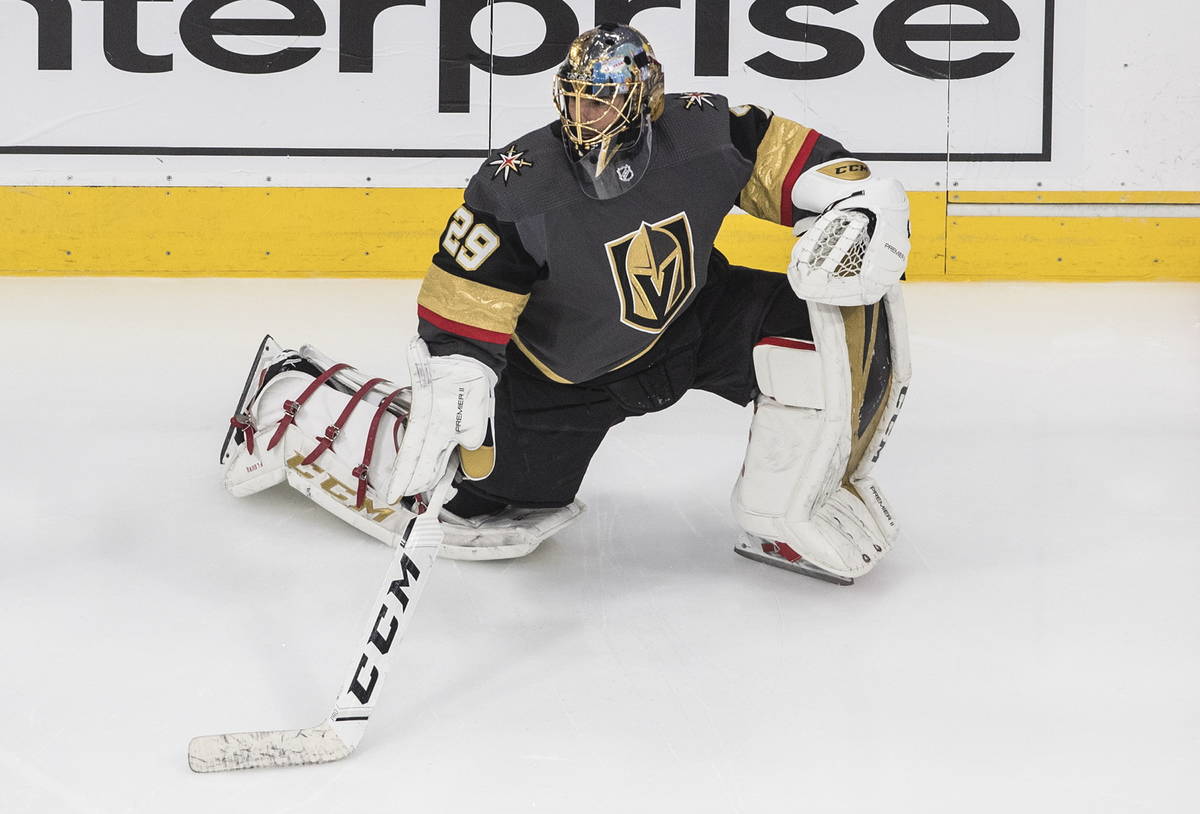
(339, 232)
(1039, 139)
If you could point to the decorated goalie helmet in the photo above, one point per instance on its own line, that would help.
(607, 93)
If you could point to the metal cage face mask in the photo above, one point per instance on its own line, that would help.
(605, 115)
(607, 93)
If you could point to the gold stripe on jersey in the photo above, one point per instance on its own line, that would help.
(637, 355)
(471, 303)
(538, 363)
(554, 377)
(763, 192)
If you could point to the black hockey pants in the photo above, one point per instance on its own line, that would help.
(546, 432)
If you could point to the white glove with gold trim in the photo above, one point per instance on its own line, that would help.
(857, 249)
(453, 400)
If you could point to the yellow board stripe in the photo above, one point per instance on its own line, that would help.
(749, 241)
(390, 233)
(1066, 249)
(1079, 197)
(210, 231)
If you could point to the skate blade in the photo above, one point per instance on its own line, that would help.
(799, 566)
(262, 348)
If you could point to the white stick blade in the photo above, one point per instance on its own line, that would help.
(254, 750)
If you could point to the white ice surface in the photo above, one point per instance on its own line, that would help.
(1032, 644)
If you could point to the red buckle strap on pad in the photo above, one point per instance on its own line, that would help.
(292, 407)
(245, 423)
(360, 471)
(335, 429)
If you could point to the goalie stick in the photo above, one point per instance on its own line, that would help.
(338, 735)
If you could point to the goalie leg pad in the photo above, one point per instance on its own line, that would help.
(331, 436)
(821, 420)
(861, 481)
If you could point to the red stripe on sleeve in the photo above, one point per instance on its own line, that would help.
(461, 328)
(789, 181)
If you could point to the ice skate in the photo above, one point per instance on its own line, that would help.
(782, 555)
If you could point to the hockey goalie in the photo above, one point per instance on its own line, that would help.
(576, 286)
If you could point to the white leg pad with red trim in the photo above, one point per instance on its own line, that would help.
(285, 433)
(791, 492)
(293, 445)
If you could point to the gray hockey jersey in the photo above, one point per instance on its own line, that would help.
(583, 287)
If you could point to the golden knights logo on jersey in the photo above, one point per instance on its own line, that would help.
(655, 272)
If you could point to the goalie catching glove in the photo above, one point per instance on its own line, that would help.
(858, 247)
(453, 399)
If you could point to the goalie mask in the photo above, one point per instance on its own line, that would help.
(607, 93)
